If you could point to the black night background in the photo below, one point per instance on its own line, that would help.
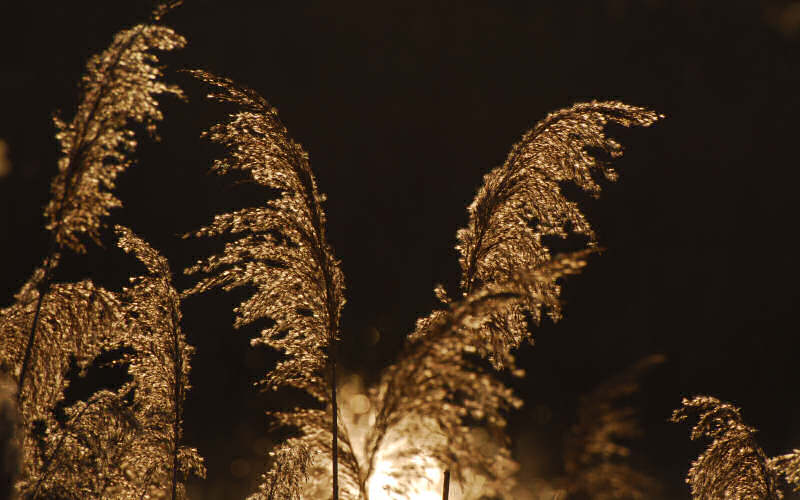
(403, 107)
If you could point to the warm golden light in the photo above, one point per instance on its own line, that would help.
(359, 404)
(427, 487)
(359, 415)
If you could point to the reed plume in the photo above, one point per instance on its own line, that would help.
(122, 442)
(438, 389)
(287, 478)
(521, 202)
(117, 89)
(281, 250)
(518, 205)
(81, 450)
(77, 321)
(427, 398)
(158, 358)
(733, 465)
(433, 408)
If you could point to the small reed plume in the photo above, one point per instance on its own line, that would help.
(158, 359)
(733, 465)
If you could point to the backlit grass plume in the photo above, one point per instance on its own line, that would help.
(432, 409)
(733, 465)
(158, 359)
(520, 203)
(61, 453)
(439, 407)
(117, 89)
(281, 251)
(121, 442)
(313, 473)
(286, 479)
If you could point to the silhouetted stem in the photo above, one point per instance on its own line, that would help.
(446, 487)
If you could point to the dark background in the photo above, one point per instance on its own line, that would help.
(403, 106)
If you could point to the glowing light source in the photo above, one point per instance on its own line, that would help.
(426, 488)
(359, 404)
